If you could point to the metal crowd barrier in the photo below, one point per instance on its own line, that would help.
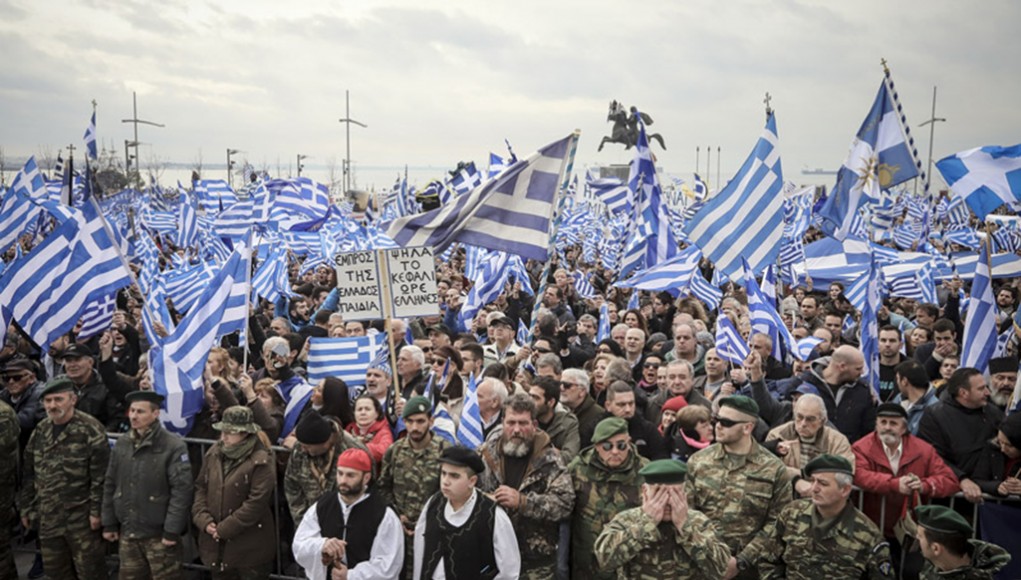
(279, 572)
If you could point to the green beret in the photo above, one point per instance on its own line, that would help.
(943, 519)
(741, 403)
(664, 471)
(608, 428)
(416, 405)
(60, 384)
(147, 396)
(829, 463)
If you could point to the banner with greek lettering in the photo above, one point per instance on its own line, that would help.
(412, 282)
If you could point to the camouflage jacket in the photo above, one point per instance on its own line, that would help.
(600, 493)
(742, 495)
(852, 547)
(547, 498)
(10, 431)
(640, 549)
(64, 475)
(409, 477)
(986, 560)
(307, 478)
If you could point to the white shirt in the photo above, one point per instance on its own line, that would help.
(386, 555)
(894, 457)
(505, 543)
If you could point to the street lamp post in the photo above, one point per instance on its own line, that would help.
(230, 166)
(300, 159)
(134, 120)
(933, 119)
(347, 120)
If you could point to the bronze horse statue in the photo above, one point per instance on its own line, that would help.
(625, 127)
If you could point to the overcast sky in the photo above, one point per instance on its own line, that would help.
(439, 82)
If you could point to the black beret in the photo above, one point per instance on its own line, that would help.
(60, 384)
(664, 471)
(147, 396)
(940, 518)
(1003, 364)
(891, 410)
(741, 403)
(313, 429)
(829, 463)
(464, 457)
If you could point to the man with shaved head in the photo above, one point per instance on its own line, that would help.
(849, 401)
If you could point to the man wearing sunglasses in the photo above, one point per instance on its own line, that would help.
(606, 482)
(664, 538)
(21, 388)
(739, 485)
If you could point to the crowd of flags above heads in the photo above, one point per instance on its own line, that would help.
(651, 233)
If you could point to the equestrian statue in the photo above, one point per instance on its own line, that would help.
(625, 127)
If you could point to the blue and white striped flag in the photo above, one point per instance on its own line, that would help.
(869, 327)
(90, 138)
(879, 152)
(185, 285)
(765, 318)
(806, 346)
(496, 165)
(486, 288)
(510, 213)
(98, 316)
(603, 332)
(467, 179)
(178, 361)
(524, 335)
(582, 286)
(985, 177)
(703, 290)
(214, 195)
(470, 432)
(745, 219)
(344, 358)
(980, 325)
(17, 208)
(271, 280)
(730, 346)
(187, 226)
(633, 303)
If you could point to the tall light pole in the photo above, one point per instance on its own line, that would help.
(300, 159)
(230, 166)
(134, 120)
(347, 120)
(933, 119)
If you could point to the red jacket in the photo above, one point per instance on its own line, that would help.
(377, 438)
(877, 480)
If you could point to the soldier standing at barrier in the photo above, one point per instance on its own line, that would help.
(944, 537)
(739, 484)
(825, 535)
(148, 493)
(62, 494)
(411, 472)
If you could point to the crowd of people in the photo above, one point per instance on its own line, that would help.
(641, 455)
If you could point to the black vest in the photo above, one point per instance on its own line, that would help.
(472, 542)
(359, 533)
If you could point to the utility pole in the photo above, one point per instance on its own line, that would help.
(230, 166)
(347, 120)
(134, 120)
(933, 119)
(300, 159)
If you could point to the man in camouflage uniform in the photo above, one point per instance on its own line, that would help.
(527, 477)
(944, 538)
(147, 494)
(62, 493)
(825, 536)
(410, 474)
(312, 467)
(663, 538)
(9, 432)
(606, 482)
(739, 485)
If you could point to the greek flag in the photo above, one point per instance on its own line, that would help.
(90, 138)
(524, 336)
(745, 219)
(214, 195)
(188, 226)
(178, 360)
(701, 288)
(603, 332)
(510, 213)
(344, 358)
(185, 285)
(957, 212)
(980, 325)
(496, 165)
(985, 177)
(470, 433)
(614, 193)
(486, 288)
(634, 303)
(730, 346)
(765, 318)
(156, 300)
(673, 274)
(17, 209)
(879, 158)
(47, 291)
(235, 221)
(467, 179)
(583, 286)
(806, 346)
(98, 316)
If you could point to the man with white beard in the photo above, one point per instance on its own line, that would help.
(1003, 381)
(527, 477)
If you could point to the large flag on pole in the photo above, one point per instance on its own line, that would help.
(745, 219)
(986, 177)
(980, 326)
(879, 159)
(870, 324)
(511, 213)
(90, 138)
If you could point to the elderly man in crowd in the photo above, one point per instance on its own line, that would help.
(807, 436)
(574, 394)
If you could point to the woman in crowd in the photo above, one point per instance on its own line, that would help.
(634, 319)
(233, 500)
(691, 431)
(371, 427)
